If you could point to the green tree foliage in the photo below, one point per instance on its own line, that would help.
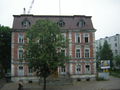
(106, 52)
(5, 49)
(44, 48)
(117, 61)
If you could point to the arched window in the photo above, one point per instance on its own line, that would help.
(78, 69)
(26, 23)
(61, 23)
(81, 23)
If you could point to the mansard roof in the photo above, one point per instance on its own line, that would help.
(70, 22)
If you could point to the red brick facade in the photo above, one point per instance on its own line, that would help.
(80, 49)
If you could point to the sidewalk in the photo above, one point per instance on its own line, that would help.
(2, 82)
(112, 84)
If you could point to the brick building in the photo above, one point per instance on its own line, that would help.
(78, 29)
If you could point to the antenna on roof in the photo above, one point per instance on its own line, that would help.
(30, 7)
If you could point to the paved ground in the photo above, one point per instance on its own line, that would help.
(2, 82)
(112, 84)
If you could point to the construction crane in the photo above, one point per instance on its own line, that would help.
(30, 7)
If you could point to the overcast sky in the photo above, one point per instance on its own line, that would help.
(105, 13)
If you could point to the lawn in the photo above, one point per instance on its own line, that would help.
(115, 73)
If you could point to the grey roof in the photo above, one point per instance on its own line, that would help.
(70, 21)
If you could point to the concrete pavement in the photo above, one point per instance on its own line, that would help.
(112, 84)
(2, 82)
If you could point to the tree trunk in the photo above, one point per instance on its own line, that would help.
(44, 87)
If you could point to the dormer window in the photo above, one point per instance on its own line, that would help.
(61, 23)
(81, 23)
(26, 23)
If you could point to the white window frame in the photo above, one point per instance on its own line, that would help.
(30, 71)
(88, 36)
(77, 53)
(63, 70)
(85, 52)
(76, 38)
(64, 50)
(88, 72)
(21, 36)
(76, 69)
(20, 48)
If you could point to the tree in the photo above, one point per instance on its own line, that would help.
(106, 53)
(98, 57)
(5, 49)
(117, 61)
(43, 50)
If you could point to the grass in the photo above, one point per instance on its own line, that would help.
(100, 79)
(115, 73)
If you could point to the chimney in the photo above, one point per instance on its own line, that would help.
(24, 11)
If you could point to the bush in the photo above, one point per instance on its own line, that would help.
(115, 73)
(100, 79)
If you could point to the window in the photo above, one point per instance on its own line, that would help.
(115, 38)
(26, 23)
(20, 38)
(116, 52)
(78, 69)
(77, 53)
(30, 71)
(20, 53)
(20, 67)
(81, 23)
(61, 23)
(64, 36)
(20, 71)
(87, 68)
(77, 38)
(87, 52)
(115, 44)
(63, 71)
(86, 37)
(63, 52)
